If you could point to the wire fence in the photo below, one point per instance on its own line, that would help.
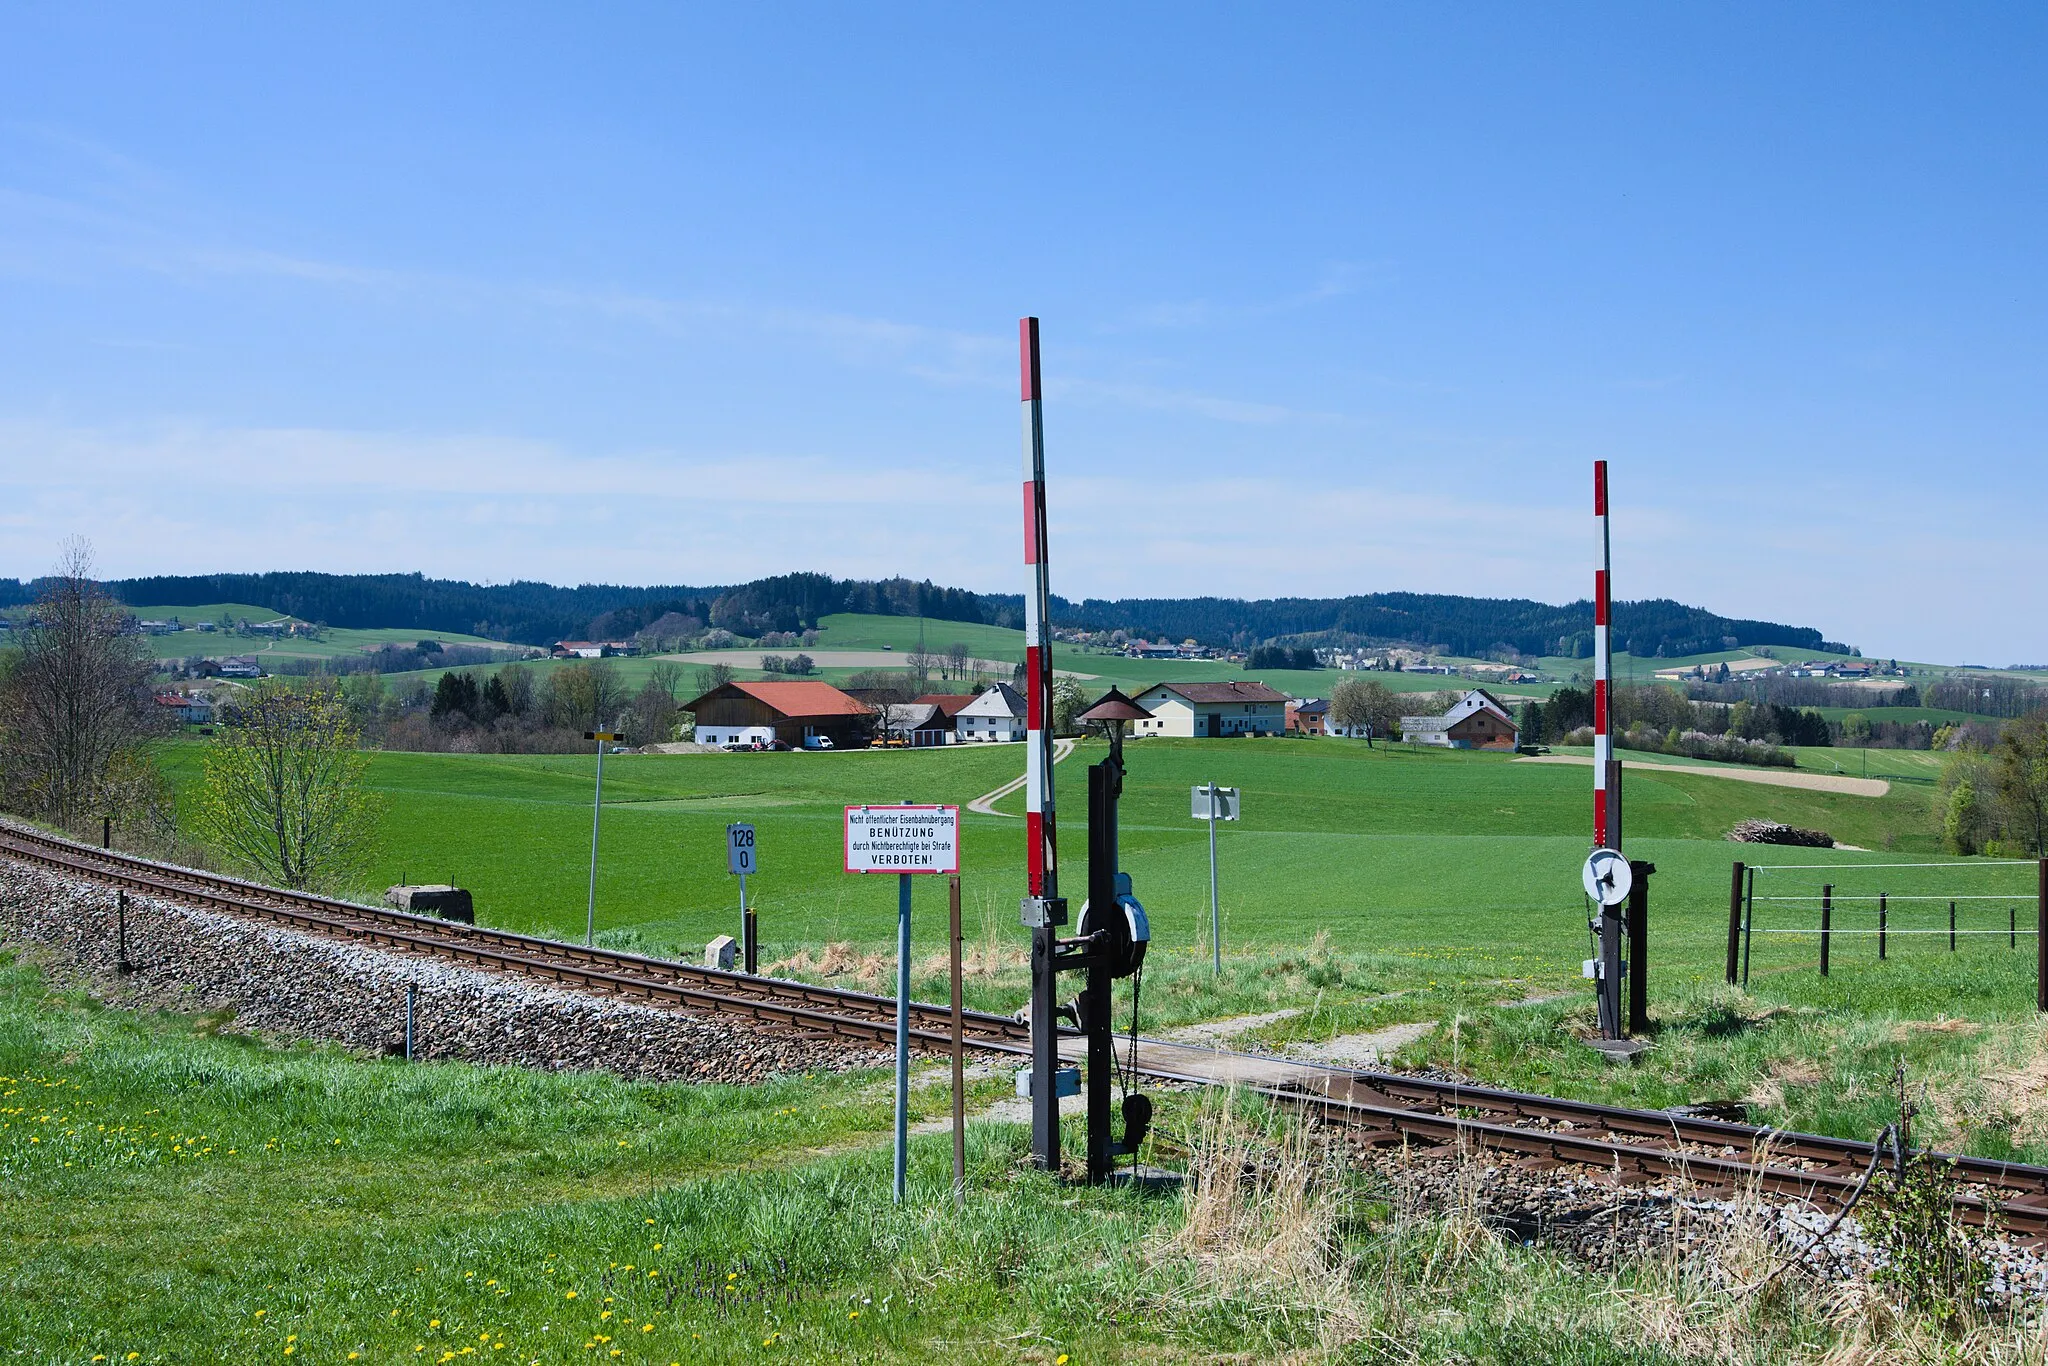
(1972, 903)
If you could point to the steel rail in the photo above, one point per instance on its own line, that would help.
(833, 1010)
(1639, 1143)
(1629, 1160)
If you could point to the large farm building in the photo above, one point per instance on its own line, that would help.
(1478, 721)
(743, 713)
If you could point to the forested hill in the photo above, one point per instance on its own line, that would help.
(537, 613)
(1454, 625)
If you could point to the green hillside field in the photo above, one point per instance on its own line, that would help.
(1364, 887)
(333, 642)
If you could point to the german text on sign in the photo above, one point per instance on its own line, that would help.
(902, 839)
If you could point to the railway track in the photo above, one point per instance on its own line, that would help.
(798, 1006)
(1530, 1131)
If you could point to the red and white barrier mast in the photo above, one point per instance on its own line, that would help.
(1608, 873)
(1606, 772)
(1043, 910)
(1041, 854)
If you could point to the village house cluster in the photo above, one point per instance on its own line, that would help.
(814, 715)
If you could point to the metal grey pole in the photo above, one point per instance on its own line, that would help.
(1215, 913)
(412, 1000)
(743, 910)
(596, 812)
(902, 1029)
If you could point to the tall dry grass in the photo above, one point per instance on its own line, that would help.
(1284, 1238)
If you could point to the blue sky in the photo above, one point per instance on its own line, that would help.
(1335, 299)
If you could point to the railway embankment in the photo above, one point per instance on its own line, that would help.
(277, 981)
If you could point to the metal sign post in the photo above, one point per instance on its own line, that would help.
(905, 840)
(740, 858)
(603, 738)
(1213, 803)
(959, 1050)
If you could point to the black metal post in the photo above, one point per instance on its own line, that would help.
(1096, 1017)
(1609, 966)
(106, 832)
(750, 930)
(412, 1004)
(1734, 919)
(1827, 915)
(2041, 939)
(1881, 903)
(1045, 1052)
(121, 963)
(2012, 927)
(1639, 946)
(1951, 927)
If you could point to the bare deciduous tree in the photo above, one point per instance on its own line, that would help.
(284, 794)
(667, 675)
(1360, 702)
(956, 660)
(714, 676)
(77, 699)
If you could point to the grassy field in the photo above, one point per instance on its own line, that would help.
(334, 641)
(170, 1193)
(1364, 888)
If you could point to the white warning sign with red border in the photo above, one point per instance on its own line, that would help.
(903, 839)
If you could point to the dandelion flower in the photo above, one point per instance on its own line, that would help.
(570, 1296)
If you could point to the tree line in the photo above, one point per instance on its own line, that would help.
(1993, 797)
(1442, 623)
(539, 613)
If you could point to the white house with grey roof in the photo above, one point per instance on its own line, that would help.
(1197, 710)
(995, 717)
(1478, 721)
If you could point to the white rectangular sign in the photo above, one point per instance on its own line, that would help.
(1226, 802)
(902, 839)
(740, 853)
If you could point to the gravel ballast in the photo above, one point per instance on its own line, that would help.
(285, 982)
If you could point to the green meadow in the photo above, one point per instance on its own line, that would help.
(175, 1194)
(333, 642)
(1364, 887)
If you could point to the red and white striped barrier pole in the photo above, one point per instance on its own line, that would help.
(1606, 770)
(1606, 773)
(1042, 909)
(1041, 854)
